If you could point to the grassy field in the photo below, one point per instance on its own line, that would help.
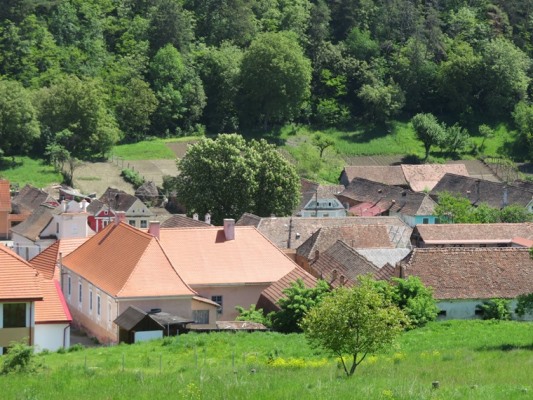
(469, 359)
(156, 149)
(27, 170)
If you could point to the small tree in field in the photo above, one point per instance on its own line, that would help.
(352, 323)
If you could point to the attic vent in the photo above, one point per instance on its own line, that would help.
(154, 311)
(298, 235)
(380, 190)
(404, 194)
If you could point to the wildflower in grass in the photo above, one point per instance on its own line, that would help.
(372, 359)
(387, 394)
(397, 357)
(295, 363)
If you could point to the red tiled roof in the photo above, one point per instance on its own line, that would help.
(366, 210)
(5, 196)
(18, 280)
(426, 176)
(126, 262)
(473, 273)
(54, 308)
(203, 256)
(46, 261)
(268, 300)
(454, 233)
(389, 175)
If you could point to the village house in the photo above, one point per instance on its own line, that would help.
(368, 198)
(103, 210)
(473, 235)
(319, 200)
(462, 278)
(122, 266)
(47, 224)
(494, 194)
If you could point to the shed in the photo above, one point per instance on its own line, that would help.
(135, 320)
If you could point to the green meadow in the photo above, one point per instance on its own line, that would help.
(469, 360)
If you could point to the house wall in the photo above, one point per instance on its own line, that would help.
(466, 309)
(67, 226)
(413, 220)
(52, 336)
(8, 335)
(232, 296)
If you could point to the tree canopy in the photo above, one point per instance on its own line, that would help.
(229, 176)
(352, 323)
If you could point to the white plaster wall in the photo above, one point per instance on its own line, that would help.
(465, 309)
(52, 336)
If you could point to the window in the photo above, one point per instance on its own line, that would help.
(90, 300)
(14, 315)
(98, 308)
(131, 222)
(442, 313)
(200, 316)
(425, 221)
(218, 300)
(57, 227)
(108, 312)
(144, 224)
(80, 297)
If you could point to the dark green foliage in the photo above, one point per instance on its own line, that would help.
(428, 130)
(495, 309)
(524, 304)
(253, 315)
(415, 299)
(298, 300)
(132, 177)
(19, 358)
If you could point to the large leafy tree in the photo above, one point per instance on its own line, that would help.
(19, 126)
(229, 176)
(428, 130)
(275, 79)
(352, 323)
(76, 109)
(298, 300)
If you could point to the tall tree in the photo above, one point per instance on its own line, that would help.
(19, 126)
(170, 24)
(352, 323)
(229, 176)
(77, 108)
(275, 79)
(428, 130)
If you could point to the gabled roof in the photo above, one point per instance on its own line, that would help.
(277, 229)
(340, 265)
(126, 262)
(482, 191)
(203, 256)
(95, 206)
(46, 262)
(380, 257)
(412, 203)
(5, 196)
(117, 199)
(472, 273)
(182, 221)
(473, 233)
(29, 198)
(32, 226)
(133, 315)
(312, 191)
(18, 280)
(389, 175)
(53, 308)
(362, 236)
(268, 300)
(426, 176)
(147, 190)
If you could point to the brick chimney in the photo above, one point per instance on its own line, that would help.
(154, 228)
(120, 216)
(229, 228)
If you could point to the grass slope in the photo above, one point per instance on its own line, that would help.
(26, 170)
(470, 359)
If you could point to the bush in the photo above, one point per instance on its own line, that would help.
(495, 309)
(252, 315)
(132, 177)
(19, 358)
(524, 304)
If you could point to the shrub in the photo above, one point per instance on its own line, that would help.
(132, 177)
(76, 347)
(524, 304)
(19, 358)
(252, 314)
(495, 309)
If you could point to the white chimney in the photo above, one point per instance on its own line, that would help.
(64, 205)
(120, 216)
(208, 218)
(229, 228)
(154, 228)
(84, 204)
(195, 216)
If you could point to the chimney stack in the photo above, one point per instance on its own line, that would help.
(64, 205)
(208, 218)
(154, 228)
(84, 204)
(120, 216)
(229, 228)
(195, 216)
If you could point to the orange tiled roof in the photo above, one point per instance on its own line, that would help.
(46, 261)
(203, 256)
(54, 308)
(126, 262)
(5, 197)
(18, 280)
(426, 176)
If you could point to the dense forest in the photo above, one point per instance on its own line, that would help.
(78, 76)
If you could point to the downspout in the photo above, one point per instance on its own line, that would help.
(30, 335)
(65, 335)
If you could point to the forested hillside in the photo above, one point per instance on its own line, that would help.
(78, 76)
